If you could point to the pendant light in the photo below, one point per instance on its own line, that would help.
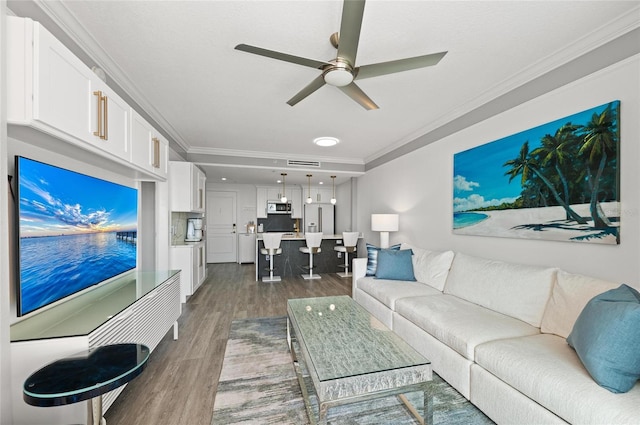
(309, 200)
(283, 199)
(333, 185)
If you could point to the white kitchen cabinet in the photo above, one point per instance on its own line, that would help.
(246, 248)
(187, 187)
(274, 193)
(191, 260)
(52, 90)
(321, 194)
(295, 197)
(149, 149)
(261, 202)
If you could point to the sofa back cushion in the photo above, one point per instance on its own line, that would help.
(569, 296)
(519, 291)
(430, 267)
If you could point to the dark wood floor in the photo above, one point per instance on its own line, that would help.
(180, 381)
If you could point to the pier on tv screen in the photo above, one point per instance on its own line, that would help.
(74, 230)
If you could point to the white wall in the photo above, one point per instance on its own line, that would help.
(5, 366)
(343, 208)
(419, 185)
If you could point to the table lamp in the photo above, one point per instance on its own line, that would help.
(384, 223)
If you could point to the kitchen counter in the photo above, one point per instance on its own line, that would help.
(292, 262)
(300, 236)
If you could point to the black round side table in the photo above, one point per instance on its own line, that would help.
(86, 375)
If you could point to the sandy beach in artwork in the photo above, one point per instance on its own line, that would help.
(543, 223)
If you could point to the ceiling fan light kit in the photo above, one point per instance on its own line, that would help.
(341, 72)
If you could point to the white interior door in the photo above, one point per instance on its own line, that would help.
(221, 227)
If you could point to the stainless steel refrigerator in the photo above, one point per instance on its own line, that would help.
(320, 215)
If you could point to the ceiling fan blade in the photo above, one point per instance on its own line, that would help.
(310, 88)
(383, 68)
(282, 56)
(352, 11)
(356, 93)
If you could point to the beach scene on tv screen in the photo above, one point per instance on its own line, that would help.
(75, 231)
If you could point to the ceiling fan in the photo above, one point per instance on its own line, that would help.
(341, 72)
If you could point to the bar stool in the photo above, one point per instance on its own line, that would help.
(313, 247)
(349, 244)
(271, 248)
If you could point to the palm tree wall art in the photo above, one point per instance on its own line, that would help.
(558, 181)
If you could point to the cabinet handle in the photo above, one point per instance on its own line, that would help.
(156, 152)
(200, 206)
(99, 131)
(105, 122)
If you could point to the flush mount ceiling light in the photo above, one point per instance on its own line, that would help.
(326, 141)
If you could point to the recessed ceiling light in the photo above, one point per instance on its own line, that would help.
(224, 179)
(326, 141)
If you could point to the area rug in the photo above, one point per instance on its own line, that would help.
(258, 385)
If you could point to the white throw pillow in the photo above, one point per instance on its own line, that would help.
(569, 296)
(432, 268)
(416, 251)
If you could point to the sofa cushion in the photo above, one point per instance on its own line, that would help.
(372, 257)
(389, 291)
(544, 368)
(459, 324)
(432, 268)
(570, 294)
(519, 291)
(395, 265)
(606, 337)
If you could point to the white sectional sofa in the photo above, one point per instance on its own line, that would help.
(497, 333)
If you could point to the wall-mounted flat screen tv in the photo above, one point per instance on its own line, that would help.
(74, 232)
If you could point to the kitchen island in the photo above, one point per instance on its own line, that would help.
(292, 262)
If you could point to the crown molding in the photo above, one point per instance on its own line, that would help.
(67, 21)
(606, 33)
(273, 155)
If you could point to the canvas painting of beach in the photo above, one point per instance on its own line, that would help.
(558, 181)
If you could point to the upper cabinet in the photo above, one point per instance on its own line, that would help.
(149, 149)
(274, 193)
(49, 89)
(187, 187)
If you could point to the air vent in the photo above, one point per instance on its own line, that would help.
(296, 163)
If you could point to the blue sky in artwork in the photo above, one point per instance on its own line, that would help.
(56, 201)
(479, 174)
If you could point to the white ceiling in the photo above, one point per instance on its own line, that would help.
(176, 59)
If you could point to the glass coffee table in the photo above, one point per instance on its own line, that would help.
(351, 356)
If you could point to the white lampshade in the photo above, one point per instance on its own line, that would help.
(384, 222)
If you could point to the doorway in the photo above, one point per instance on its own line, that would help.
(221, 227)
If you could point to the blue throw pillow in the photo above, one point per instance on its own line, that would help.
(395, 265)
(372, 257)
(606, 337)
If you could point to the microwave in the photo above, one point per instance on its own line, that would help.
(278, 207)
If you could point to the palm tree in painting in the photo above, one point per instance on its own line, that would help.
(600, 140)
(525, 164)
(554, 151)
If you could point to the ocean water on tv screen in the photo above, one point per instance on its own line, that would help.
(54, 267)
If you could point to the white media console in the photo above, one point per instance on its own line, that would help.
(138, 307)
